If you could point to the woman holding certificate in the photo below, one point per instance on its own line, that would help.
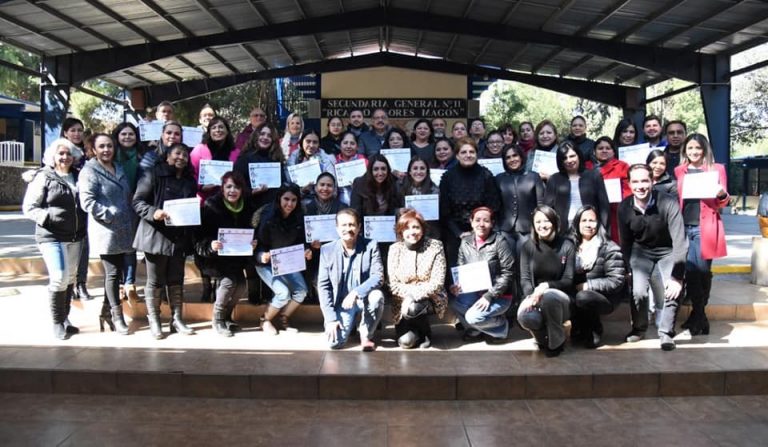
(165, 245)
(52, 202)
(546, 277)
(309, 151)
(226, 210)
(219, 145)
(462, 189)
(521, 192)
(281, 225)
(483, 294)
(263, 146)
(375, 193)
(626, 133)
(105, 196)
(706, 193)
(611, 168)
(170, 134)
(416, 271)
(574, 186)
(348, 152)
(294, 130)
(444, 157)
(419, 182)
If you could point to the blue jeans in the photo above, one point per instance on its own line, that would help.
(129, 275)
(372, 309)
(694, 262)
(61, 259)
(490, 321)
(285, 287)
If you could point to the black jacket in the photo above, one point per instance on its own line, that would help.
(55, 207)
(592, 190)
(214, 216)
(274, 231)
(608, 275)
(520, 194)
(551, 262)
(241, 166)
(461, 191)
(155, 187)
(666, 184)
(501, 262)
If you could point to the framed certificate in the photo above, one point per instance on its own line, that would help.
(473, 277)
(305, 173)
(236, 241)
(320, 228)
(428, 205)
(211, 171)
(182, 212)
(495, 165)
(544, 162)
(379, 228)
(267, 174)
(348, 171)
(398, 158)
(288, 260)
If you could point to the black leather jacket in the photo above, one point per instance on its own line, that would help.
(501, 262)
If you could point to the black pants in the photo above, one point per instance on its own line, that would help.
(113, 273)
(231, 286)
(419, 326)
(164, 270)
(589, 305)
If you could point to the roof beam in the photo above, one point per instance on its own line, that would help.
(20, 68)
(610, 94)
(504, 19)
(162, 70)
(254, 55)
(167, 17)
(710, 40)
(261, 15)
(707, 16)
(681, 64)
(207, 8)
(72, 22)
(44, 34)
(139, 77)
(215, 54)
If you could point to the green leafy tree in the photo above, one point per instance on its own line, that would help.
(97, 114)
(14, 83)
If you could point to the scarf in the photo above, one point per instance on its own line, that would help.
(587, 254)
(234, 209)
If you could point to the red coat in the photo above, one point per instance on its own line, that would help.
(711, 225)
(614, 168)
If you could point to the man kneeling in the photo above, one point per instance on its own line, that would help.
(348, 283)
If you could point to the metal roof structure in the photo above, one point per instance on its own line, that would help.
(136, 43)
(605, 50)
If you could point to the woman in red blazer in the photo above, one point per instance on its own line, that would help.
(611, 168)
(703, 226)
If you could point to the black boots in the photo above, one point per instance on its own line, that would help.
(209, 293)
(152, 300)
(229, 310)
(71, 330)
(219, 324)
(118, 322)
(58, 312)
(698, 286)
(175, 299)
(81, 292)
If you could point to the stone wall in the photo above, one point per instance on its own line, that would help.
(12, 187)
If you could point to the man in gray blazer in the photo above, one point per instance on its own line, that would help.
(350, 275)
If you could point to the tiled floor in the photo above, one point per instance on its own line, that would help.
(71, 420)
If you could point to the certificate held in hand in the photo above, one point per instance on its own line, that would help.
(348, 171)
(379, 228)
(635, 154)
(544, 162)
(436, 175)
(473, 277)
(236, 241)
(320, 228)
(398, 158)
(495, 165)
(182, 212)
(613, 188)
(150, 130)
(267, 174)
(305, 173)
(211, 171)
(701, 185)
(288, 260)
(428, 205)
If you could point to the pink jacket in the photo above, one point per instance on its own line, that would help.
(201, 152)
(711, 224)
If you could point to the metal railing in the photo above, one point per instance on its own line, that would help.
(11, 153)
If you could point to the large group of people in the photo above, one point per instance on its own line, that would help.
(549, 250)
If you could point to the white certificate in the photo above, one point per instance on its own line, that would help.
(182, 212)
(305, 173)
(495, 165)
(288, 260)
(544, 162)
(191, 136)
(348, 171)
(264, 174)
(379, 228)
(701, 185)
(436, 175)
(637, 153)
(398, 158)
(426, 204)
(320, 228)
(150, 130)
(211, 171)
(613, 188)
(473, 277)
(236, 241)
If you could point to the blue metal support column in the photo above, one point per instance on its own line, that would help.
(716, 98)
(54, 98)
(634, 107)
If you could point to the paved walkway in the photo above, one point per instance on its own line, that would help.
(17, 237)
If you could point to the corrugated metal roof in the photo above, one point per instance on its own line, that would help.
(58, 27)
